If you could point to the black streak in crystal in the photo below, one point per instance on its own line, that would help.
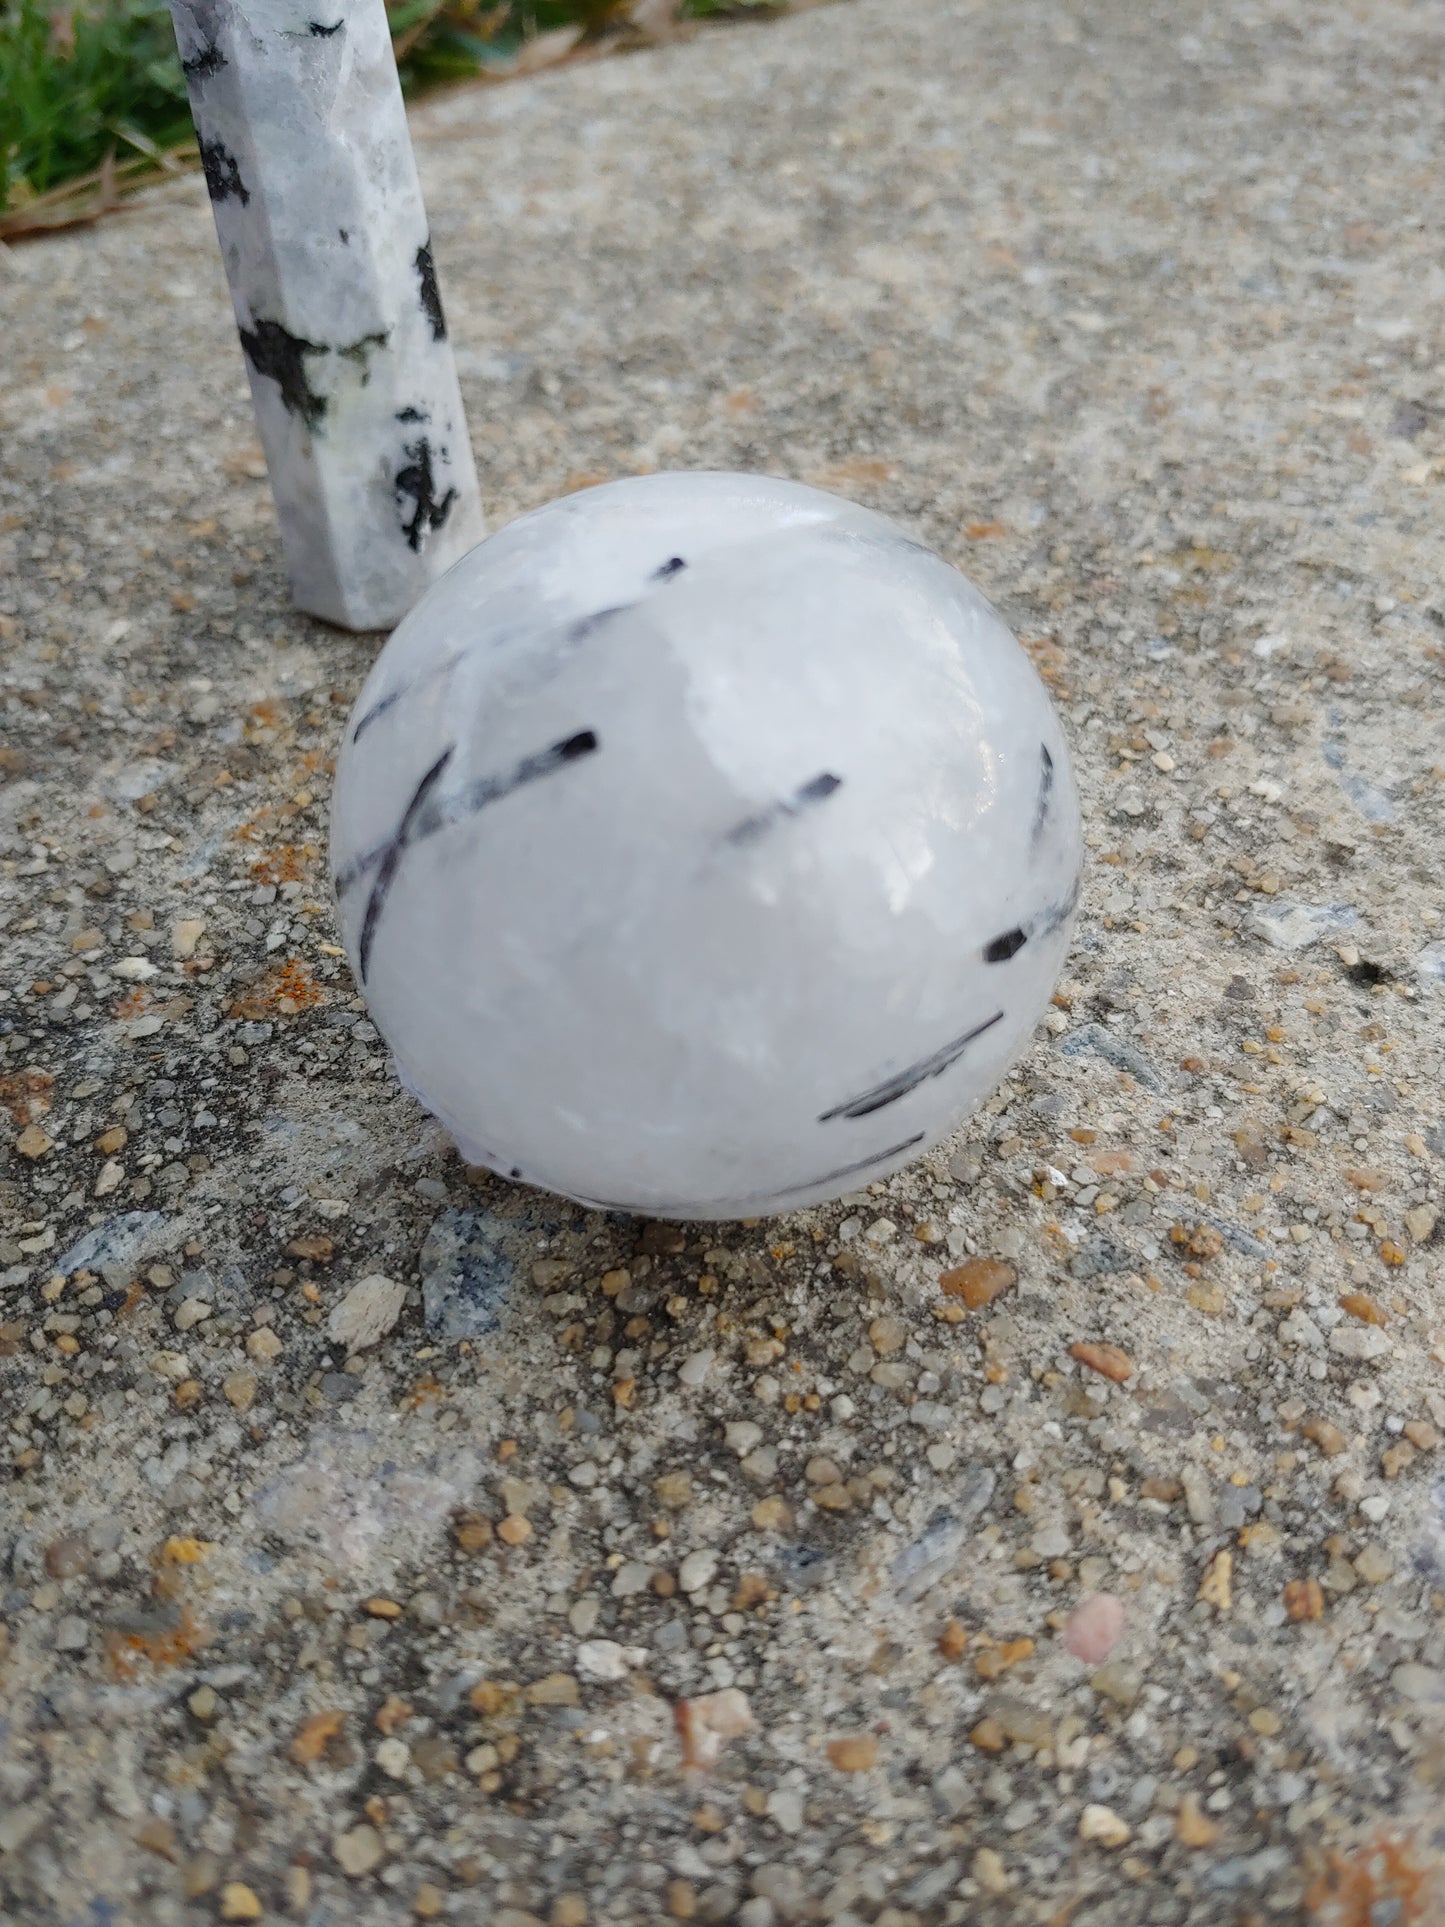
(391, 857)
(863, 1164)
(223, 176)
(389, 701)
(376, 710)
(1006, 946)
(425, 819)
(588, 625)
(712, 1206)
(1046, 791)
(431, 299)
(1056, 915)
(668, 569)
(577, 631)
(210, 60)
(318, 32)
(816, 790)
(903, 1082)
(491, 789)
(416, 484)
(275, 352)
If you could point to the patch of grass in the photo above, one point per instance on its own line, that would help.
(73, 87)
(92, 100)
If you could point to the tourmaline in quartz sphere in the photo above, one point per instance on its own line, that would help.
(705, 847)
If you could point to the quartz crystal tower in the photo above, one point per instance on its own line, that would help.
(304, 142)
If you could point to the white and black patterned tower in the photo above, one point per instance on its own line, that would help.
(304, 141)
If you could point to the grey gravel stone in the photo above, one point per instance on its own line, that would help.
(1295, 926)
(465, 1274)
(72, 1634)
(117, 1247)
(1100, 1258)
(932, 1556)
(1425, 1685)
(1095, 1040)
(19, 1824)
(1362, 1343)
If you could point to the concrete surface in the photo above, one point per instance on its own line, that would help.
(347, 1609)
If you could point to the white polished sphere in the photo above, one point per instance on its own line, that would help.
(705, 847)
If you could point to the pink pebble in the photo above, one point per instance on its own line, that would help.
(1095, 1627)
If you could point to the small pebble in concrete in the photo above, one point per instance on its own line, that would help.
(1095, 1628)
(367, 1312)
